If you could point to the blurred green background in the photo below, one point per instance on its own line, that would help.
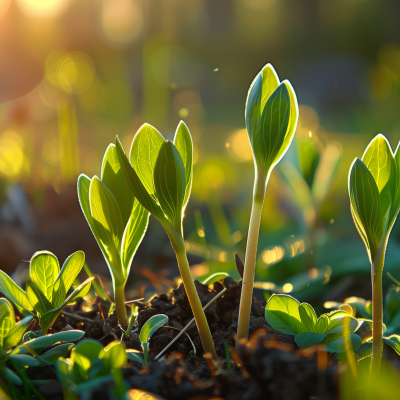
(76, 73)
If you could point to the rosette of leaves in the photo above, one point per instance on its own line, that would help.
(117, 220)
(159, 173)
(271, 118)
(47, 287)
(89, 366)
(285, 314)
(374, 189)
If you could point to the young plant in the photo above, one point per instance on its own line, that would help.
(159, 174)
(374, 191)
(47, 286)
(271, 120)
(89, 365)
(285, 314)
(117, 220)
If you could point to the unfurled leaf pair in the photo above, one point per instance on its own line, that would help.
(47, 286)
(374, 187)
(271, 119)
(89, 365)
(159, 173)
(285, 314)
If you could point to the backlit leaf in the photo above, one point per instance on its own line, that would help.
(17, 331)
(7, 320)
(43, 270)
(108, 222)
(143, 155)
(322, 324)
(308, 317)
(184, 144)
(169, 182)
(339, 345)
(37, 298)
(151, 326)
(394, 342)
(133, 235)
(366, 206)
(114, 355)
(10, 289)
(282, 313)
(113, 177)
(218, 276)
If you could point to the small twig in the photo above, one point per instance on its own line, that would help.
(190, 339)
(82, 319)
(222, 292)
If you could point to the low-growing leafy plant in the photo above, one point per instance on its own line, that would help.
(285, 314)
(159, 173)
(47, 286)
(271, 119)
(89, 365)
(374, 189)
(117, 220)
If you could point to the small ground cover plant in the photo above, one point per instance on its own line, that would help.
(271, 120)
(374, 189)
(117, 220)
(47, 286)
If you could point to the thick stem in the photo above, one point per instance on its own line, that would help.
(191, 292)
(119, 298)
(377, 311)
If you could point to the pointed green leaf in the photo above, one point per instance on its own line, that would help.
(15, 334)
(151, 326)
(218, 276)
(377, 158)
(10, 289)
(169, 182)
(366, 207)
(108, 222)
(260, 90)
(143, 155)
(43, 270)
(81, 291)
(322, 324)
(268, 141)
(37, 298)
(136, 185)
(184, 144)
(133, 235)
(69, 271)
(282, 313)
(135, 355)
(7, 320)
(308, 317)
(113, 177)
(306, 339)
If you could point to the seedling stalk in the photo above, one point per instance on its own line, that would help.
(119, 294)
(251, 257)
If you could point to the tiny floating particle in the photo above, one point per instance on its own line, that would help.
(216, 69)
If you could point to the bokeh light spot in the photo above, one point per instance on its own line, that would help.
(43, 8)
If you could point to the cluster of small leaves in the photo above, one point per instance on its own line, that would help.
(47, 286)
(285, 314)
(374, 188)
(90, 364)
(117, 220)
(159, 173)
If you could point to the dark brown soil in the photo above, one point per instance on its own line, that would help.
(271, 367)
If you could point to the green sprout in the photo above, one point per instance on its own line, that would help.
(374, 191)
(47, 286)
(117, 220)
(90, 365)
(271, 120)
(285, 314)
(159, 174)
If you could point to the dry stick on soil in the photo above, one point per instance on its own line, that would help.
(222, 292)
(82, 319)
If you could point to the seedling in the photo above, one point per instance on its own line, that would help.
(89, 366)
(374, 191)
(285, 314)
(47, 286)
(117, 220)
(159, 174)
(271, 120)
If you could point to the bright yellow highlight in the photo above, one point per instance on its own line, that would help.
(240, 146)
(12, 159)
(43, 8)
(287, 288)
(296, 247)
(223, 256)
(273, 256)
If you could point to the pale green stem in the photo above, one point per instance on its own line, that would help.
(120, 308)
(377, 311)
(191, 292)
